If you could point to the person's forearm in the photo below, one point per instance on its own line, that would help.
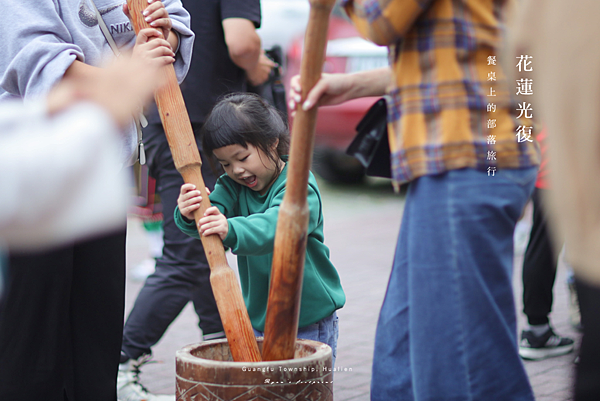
(173, 40)
(247, 58)
(370, 83)
(65, 92)
(80, 70)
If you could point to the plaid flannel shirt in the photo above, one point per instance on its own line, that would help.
(442, 86)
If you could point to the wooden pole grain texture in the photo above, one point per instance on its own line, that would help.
(180, 136)
(283, 309)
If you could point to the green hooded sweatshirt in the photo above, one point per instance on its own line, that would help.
(252, 220)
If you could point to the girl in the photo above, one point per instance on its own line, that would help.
(249, 138)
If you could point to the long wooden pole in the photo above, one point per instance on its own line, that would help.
(180, 135)
(281, 325)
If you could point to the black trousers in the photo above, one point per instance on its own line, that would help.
(61, 320)
(182, 273)
(539, 266)
(587, 378)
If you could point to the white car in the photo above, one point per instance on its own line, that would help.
(282, 22)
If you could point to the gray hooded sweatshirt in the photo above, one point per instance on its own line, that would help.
(42, 38)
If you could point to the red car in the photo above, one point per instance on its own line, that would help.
(346, 52)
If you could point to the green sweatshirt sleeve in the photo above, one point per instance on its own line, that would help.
(255, 234)
(314, 207)
(188, 228)
(223, 197)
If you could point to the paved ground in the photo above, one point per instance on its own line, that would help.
(361, 225)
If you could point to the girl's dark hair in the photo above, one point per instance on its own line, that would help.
(242, 119)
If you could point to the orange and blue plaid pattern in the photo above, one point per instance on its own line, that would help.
(441, 90)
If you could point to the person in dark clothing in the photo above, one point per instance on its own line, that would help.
(539, 341)
(588, 368)
(539, 272)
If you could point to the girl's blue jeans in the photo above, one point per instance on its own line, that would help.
(325, 330)
(447, 327)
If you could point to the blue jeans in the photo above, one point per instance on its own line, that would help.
(325, 330)
(447, 327)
